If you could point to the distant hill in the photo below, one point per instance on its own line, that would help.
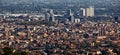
(31, 1)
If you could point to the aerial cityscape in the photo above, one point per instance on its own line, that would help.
(59, 27)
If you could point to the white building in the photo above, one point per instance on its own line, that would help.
(84, 11)
(77, 20)
(52, 18)
(90, 11)
(71, 16)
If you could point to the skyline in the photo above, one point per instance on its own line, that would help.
(32, 1)
(60, 27)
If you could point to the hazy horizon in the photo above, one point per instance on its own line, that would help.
(31, 1)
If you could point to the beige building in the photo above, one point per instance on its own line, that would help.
(89, 11)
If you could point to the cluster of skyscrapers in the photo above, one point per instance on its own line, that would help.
(86, 12)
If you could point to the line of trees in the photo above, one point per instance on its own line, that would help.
(10, 51)
(35, 23)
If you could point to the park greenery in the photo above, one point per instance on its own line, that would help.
(10, 51)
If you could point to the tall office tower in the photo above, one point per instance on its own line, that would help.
(71, 16)
(52, 18)
(70, 12)
(90, 11)
(47, 16)
(83, 11)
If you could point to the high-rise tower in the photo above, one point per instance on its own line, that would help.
(90, 11)
(49, 15)
(71, 16)
(52, 18)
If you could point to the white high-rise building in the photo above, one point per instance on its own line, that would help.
(83, 12)
(52, 15)
(71, 16)
(90, 11)
(49, 15)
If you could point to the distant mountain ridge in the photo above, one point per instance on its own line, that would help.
(54, 1)
(27, 1)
